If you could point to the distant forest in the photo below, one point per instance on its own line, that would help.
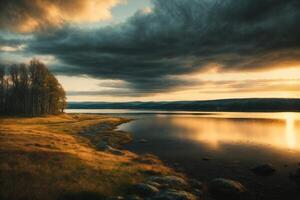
(30, 90)
(228, 105)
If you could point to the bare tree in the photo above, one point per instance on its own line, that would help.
(30, 90)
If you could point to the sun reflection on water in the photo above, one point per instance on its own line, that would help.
(290, 131)
(271, 129)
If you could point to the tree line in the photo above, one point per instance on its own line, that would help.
(31, 90)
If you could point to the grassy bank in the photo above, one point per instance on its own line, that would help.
(55, 157)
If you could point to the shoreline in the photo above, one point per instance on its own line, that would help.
(85, 156)
(77, 156)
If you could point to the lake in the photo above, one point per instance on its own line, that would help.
(207, 145)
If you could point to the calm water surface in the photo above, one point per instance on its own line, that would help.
(233, 143)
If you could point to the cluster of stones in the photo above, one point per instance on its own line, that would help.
(165, 188)
(268, 170)
(177, 188)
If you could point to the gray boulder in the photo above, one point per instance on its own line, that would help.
(172, 182)
(144, 190)
(157, 185)
(264, 170)
(221, 188)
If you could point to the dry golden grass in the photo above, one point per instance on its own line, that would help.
(54, 157)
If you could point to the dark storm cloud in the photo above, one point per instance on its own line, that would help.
(110, 92)
(139, 88)
(10, 42)
(207, 87)
(180, 37)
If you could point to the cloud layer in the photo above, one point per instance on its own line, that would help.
(178, 37)
(31, 15)
(210, 87)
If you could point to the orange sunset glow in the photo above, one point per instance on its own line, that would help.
(149, 99)
(115, 50)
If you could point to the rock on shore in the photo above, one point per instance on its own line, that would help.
(221, 188)
(166, 188)
(264, 170)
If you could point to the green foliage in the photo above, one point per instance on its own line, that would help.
(30, 89)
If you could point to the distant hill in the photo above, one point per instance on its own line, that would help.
(250, 105)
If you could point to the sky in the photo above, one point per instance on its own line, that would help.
(158, 50)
